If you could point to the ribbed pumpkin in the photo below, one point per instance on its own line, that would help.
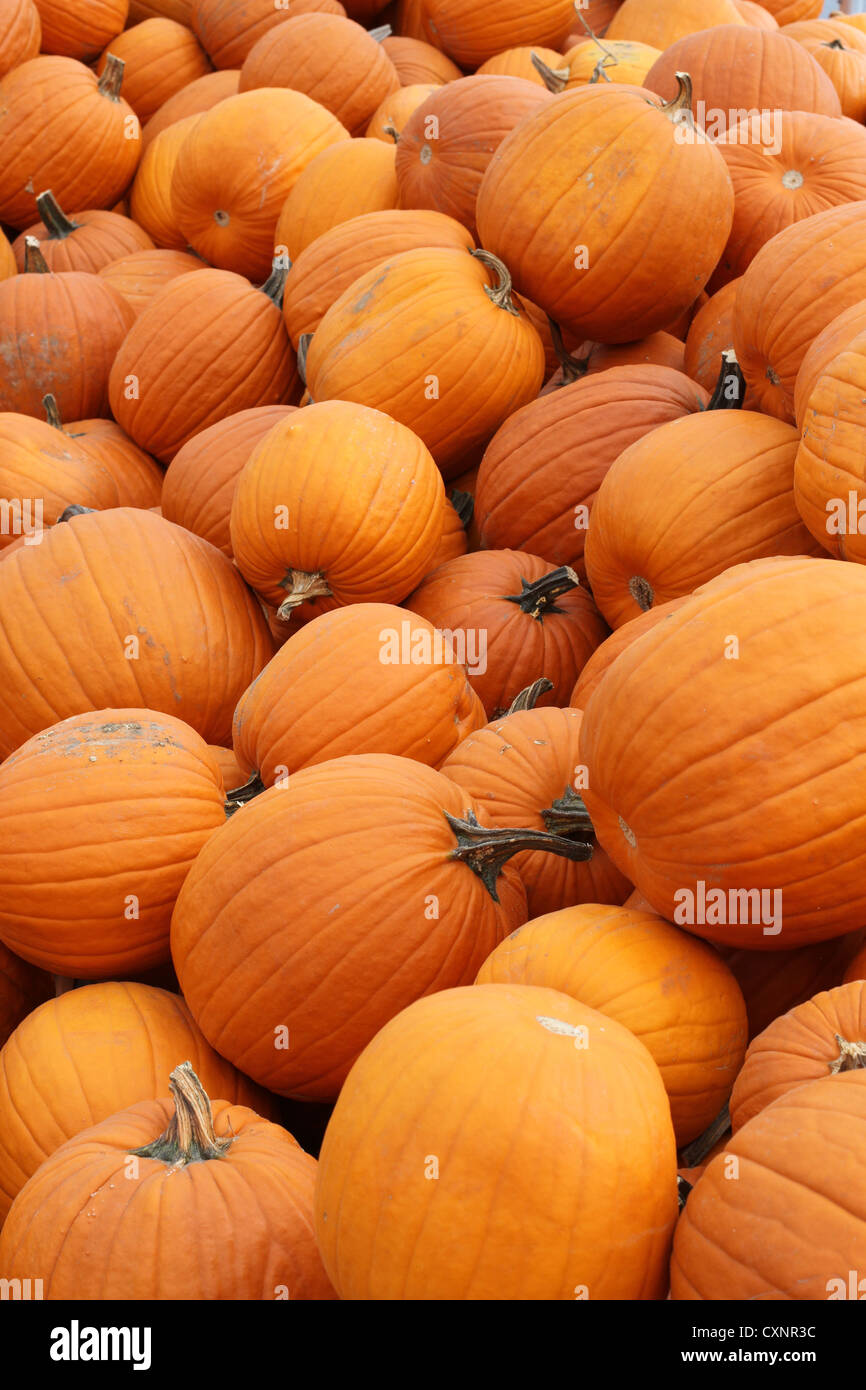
(42, 472)
(178, 10)
(345, 181)
(49, 106)
(260, 1207)
(570, 1144)
(454, 540)
(845, 66)
(835, 338)
(690, 500)
(737, 69)
(362, 530)
(656, 350)
(792, 1224)
(175, 627)
(776, 762)
(201, 479)
(391, 116)
(773, 982)
(778, 312)
(58, 334)
(228, 29)
(142, 274)
(710, 334)
(753, 12)
(433, 338)
(196, 97)
(644, 21)
(81, 30)
(446, 146)
(22, 989)
(672, 992)
(532, 618)
(87, 241)
(207, 346)
(416, 61)
(237, 166)
(546, 204)
(150, 198)
(518, 62)
(333, 839)
(606, 654)
(811, 30)
(470, 34)
(618, 60)
(77, 1040)
(162, 57)
(332, 263)
(793, 11)
(542, 469)
(332, 60)
(829, 481)
(333, 688)
(523, 770)
(20, 34)
(138, 477)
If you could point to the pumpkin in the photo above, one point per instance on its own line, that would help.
(744, 861)
(835, 338)
(200, 482)
(589, 61)
(237, 166)
(8, 265)
(389, 119)
(773, 982)
(58, 334)
(594, 16)
(193, 99)
(857, 20)
(49, 106)
(470, 34)
(87, 241)
(416, 61)
(454, 540)
(76, 1040)
(363, 530)
(777, 313)
(658, 349)
(590, 1181)
(332, 689)
(81, 30)
(672, 992)
(138, 477)
(142, 274)
(332, 263)
(518, 62)
(447, 144)
(737, 70)
(755, 13)
(162, 57)
(176, 629)
(207, 346)
(787, 1228)
(542, 469)
(712, 333)
(845, 66)
(332, 60)
(816, 30)
(669, 221)
(426, 337)
(829, 471)
(41, 472)
(343, 182)
(150, 198)
(228, 29)
(178, 10)
(523, 618)
(643, 21)
(20, 34)
(793, 11)
(22, 989)
(261, 1207)
(523, 770)
(232, 774)
(606, 654)
(688, 501)
(371, 827)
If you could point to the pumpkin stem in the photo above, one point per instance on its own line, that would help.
(392, 131)
(527, 697)
(730, 389)
(53, 216)
(539, 598)
(464, 505)
(275, 284)
(299, 587)
(486, 851)
(303, 348)
(683, 1190)
(241, 795)
(568, 816)
(642, 592)
(52, 411)
(679, 110)
(74, 509)
(835, 43)
(501, 293)
(189, 1136)
(573, 368)
(693, 1155)
(852, 1056)
(34, 261)
(384, 31)
(112, 78)
(554, 79)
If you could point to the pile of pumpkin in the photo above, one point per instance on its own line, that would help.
(421, 433)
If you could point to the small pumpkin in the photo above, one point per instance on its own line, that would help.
(22, 989)
(846, 68)
(42, 472)
(162, 57)
(142, 274)
(389, 120)
(617, 60)
(87, 241)
(518, 62)
(416, 61)
(345, 181)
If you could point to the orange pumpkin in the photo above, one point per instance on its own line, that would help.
(22, 989)
(793, 11)
(617, 60)
(773, 982)
(178, 10)
(518, 62)
(162, 57)
(20, 34)
(590, 1181)
(88, 241)
(644, 21)
(81, 30)
(142, 274)
(809, 30)
(416, 61)
(193, 99)
(389, 120)
(712, 333)
(343, 182)
(454, 540)
(657, 349)
(150, 199)
(42, 472)
(754, 12)
(845, 66)
(138, 477)
(228, 29)
(835, 338)
(470, 34)
(829, 471)
(606, 654)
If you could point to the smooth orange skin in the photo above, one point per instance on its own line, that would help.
(470, 34)
(778, 313)
(47, 106)
(810, 30)
(233, 774)
(38, 461)
(370, 523)
(104, 1047)
(94, 582)
(274, 929)
(606, 654)
(672, 992)
(714, 756)
(22, 989)
(840, 331)
(343, 182)
(93, 1231)
(798, 1048)
(196, 97)
(141, 275)
(103, 237)
(20, 34)
(420, 313)
(228, 29)
(138, 477)
(795, 1217)
(775, 982)
(207, 346)
(644, 21)
(669, 222)
(417, 61)
(830, 462)
(178, 10)
(242, 159)
(392, 114)
(555, 1174)
(162, 57)
(200, 481)
(338, 257)
(549, 458)
(684, 504)
(327, 694)
(150, 200)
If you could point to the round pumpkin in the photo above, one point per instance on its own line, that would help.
(343, 182)
(518, 62)
(81, 30)
(87, 241)
(643, 21)
(416, 61)
(150, 198)
(20, 34)
(606, 654)
(22, 989)
(617, 60)
(196, 97)
(162, 57)
(389, 120)
(138, 477)
(829, 482)
(228, 29)
(470, 34)
(792, 11)
(846, 68)
(142, 274)
(753, 12)
(42, 472)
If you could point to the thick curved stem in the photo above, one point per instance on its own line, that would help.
(486, 851)
(679, 109)
(568, 816)
(189, 1136)
(464, 505)
(573, 368)
(52, 411)
(500, 293)
(852, 1056)
(241, 795)
(34, 261)
(274, 286)
(299, 587)
(730, 389)
(528, 697)
(539, 598)
(74, 509)
(53, 217)
(554, 79)
(111, 81)
(693, 1155)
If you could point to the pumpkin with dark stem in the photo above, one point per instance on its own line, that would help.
(87, 241)
(162, 57)
(43, 471)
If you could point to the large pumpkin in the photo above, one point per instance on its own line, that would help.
(830, 476)
(80, 30)
(20, 34)
(606, 654)
(260, 1207)
(442, 1147)
(87, 241)
(644, 21)
(345, 181)
(471, 33)
(228, 29)
(150, 200)
(162, 57)
(610, 211)
(42, 472)
(674, 993)
(22, 989)
(141, 275)
(123, 610)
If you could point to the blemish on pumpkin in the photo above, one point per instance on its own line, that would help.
(556, 1025)
(627, 832)
(425, 154)
(221, 217)
(771, 376)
